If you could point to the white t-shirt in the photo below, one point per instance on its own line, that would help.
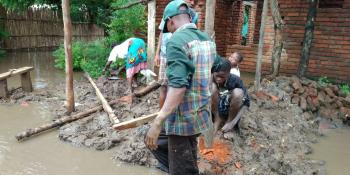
(119, 51)
(235, 71)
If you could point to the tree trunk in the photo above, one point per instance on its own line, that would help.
(59, 122)
(68, 53)
(261, 45)
(278, 40)
(308, 36)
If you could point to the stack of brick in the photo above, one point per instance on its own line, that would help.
(313, 97)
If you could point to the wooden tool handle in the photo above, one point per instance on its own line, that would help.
(135, 122)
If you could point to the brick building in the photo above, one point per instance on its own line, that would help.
(330, 51)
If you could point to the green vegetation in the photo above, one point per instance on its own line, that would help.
(91, 57)
(97, 12)
(88, 57)
(323, 81)
(118, 25)
(345, 89)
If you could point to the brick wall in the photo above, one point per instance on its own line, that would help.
(330, 51)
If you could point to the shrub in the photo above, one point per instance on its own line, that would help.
(345, 89)
(89, 57)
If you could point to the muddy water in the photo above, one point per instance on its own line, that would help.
(43, 76)
(46, 155)
(333, 148)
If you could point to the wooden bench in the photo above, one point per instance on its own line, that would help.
(26, 82)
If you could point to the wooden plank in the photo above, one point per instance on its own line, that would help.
(3, 88)
(210, 16)
(15, 72)
(106, 106)
(26, 82)
(134, 122)
(151, 33)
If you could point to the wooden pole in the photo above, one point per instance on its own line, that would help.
(59, 122)
(68, 53)
(261, 45)
(308, 36)
(112, 117)
(210, 16)
(151, 33)
(278, 40)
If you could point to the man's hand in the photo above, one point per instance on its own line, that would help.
(227, 127)
(157, 60)
(153, 134)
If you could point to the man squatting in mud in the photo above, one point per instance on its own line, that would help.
(229, 96)
(172, 137)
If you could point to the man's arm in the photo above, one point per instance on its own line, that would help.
(173, 99)
(108, 64)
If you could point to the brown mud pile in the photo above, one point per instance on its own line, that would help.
(274, 136)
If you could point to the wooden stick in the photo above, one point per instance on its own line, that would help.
(112, 117)
(134, 122)
(152, 87)
(59, 122)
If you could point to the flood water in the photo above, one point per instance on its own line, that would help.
(334, 149)
(46, 154)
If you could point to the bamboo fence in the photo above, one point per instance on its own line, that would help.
(41, 29)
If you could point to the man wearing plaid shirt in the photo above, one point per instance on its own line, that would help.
(186, 111)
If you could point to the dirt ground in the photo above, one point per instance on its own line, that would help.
(274, 136)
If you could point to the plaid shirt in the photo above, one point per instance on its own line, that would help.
(193, 115)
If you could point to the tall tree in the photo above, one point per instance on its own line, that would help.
(278, 40)
(68, 53)
(308, 36)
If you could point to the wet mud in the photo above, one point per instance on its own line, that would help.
(274, 136)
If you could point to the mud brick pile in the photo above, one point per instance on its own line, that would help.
(326, 100)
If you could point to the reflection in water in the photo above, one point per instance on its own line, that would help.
(46, 155)
(334, 149)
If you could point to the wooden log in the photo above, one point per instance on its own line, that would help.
(26, 82)
(152, 87)
(15, 72)
(112, 117)
(59, 122)
(3, 88)
(134, 122)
